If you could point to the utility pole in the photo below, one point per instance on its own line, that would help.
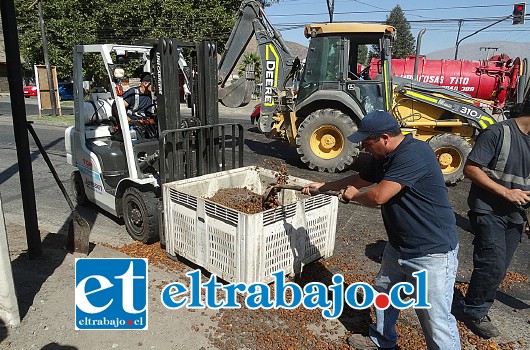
(460, 22)
(46, 60)
(331, 9)
(478, 31)
(18, 107)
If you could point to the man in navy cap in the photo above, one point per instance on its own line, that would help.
(420, 224)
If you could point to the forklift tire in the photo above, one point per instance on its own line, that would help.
(78, 188)
(140, 215)
(451, 151)
(322, 140)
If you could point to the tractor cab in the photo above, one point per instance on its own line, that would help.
(334, 94)
(333, 65)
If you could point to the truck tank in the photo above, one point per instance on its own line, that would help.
(493, 80)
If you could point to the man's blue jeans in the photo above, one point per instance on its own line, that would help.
(495, 242)
(437, 322)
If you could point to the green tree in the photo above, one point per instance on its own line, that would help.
(404, 44)
(250, 58)
(362, 54)
(73, 22)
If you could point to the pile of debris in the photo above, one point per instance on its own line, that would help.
(244, 200)
(247, 201)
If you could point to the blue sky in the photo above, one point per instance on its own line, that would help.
(440, 18)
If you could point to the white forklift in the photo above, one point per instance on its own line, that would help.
(121, 160)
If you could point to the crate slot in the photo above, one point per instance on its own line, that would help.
(221, 213)
(274, 215)
(183, 199)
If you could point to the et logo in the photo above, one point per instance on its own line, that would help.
(111, 294)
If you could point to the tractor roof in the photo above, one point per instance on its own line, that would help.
(346, 28)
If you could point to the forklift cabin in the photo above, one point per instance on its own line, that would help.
(121, 169)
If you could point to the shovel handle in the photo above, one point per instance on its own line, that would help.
(50, 165)
(313, 191)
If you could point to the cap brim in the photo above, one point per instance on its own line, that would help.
(357, 137)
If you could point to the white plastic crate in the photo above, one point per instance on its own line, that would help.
(241, 247)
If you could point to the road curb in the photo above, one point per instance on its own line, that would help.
(51, 123)
(40, 123)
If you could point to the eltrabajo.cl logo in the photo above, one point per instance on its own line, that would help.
(111, 294)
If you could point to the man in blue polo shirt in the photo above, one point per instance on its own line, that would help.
(420, 224)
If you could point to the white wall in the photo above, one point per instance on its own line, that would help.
(8, 301)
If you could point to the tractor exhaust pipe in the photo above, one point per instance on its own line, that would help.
(418, 47)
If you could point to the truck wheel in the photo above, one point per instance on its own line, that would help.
(78, 188)
(452, 151)
(140, 215)
(322, 140)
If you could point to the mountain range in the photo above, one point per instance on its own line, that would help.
(483, 50)
(470, 51)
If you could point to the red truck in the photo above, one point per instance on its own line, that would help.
(494, 80)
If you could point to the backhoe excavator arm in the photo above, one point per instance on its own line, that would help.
(276, 58)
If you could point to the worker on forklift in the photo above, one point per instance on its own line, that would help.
(139, 100)
(140, 108)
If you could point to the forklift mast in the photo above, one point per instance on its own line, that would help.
(192, 145)
(202, 80)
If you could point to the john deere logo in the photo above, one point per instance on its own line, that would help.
(271, 74)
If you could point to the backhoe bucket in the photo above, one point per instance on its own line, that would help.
(237, 94)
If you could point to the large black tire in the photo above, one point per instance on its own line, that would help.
(322, 140)
(140, 215)
(78, 188)
(452, 151)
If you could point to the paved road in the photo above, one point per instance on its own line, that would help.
(31, 107)
(52, 209)
(512, 307)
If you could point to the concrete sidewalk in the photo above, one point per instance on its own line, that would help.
(45, 292)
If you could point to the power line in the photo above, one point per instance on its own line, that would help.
(360, 2)
(430, 22)
(381, 10)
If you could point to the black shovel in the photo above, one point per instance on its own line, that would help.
(78, 228)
